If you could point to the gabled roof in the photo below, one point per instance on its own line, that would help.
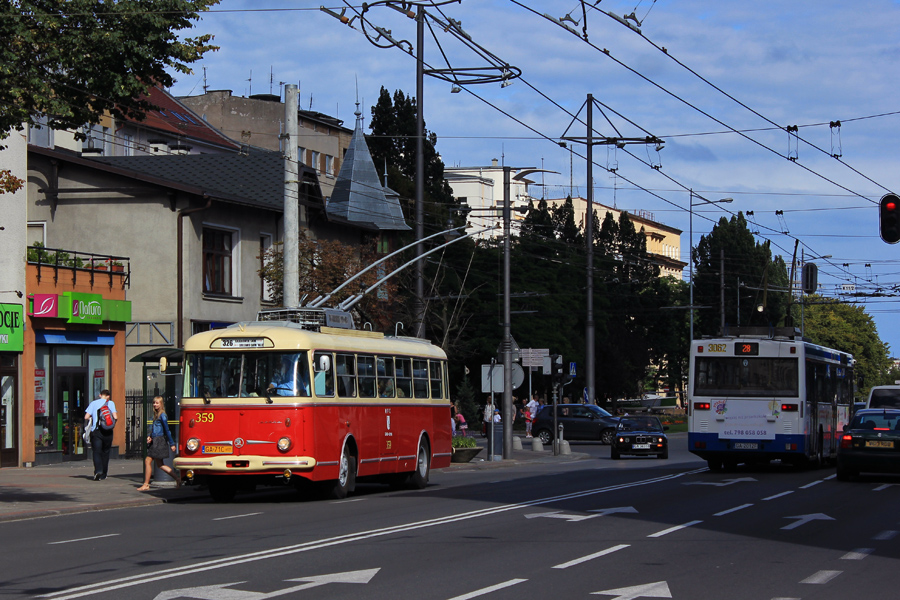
(175, 118)
(358, 195)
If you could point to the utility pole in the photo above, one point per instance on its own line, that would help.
(419, 303)
(291, 201)
(507, 410)
(722, 289)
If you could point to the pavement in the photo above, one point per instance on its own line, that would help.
(68, 488)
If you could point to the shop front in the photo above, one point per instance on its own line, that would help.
(74, 346)
(12, 335)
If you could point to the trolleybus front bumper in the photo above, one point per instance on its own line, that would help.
(250, 464)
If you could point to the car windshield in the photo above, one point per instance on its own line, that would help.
(598, 410)
(885, 398)
(640, 424)
(877, 421)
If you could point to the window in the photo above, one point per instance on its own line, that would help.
(329, 165)
(366, 375)
(324, 380)
(217, 261)
(127, 144)
(40, 134)
(404, 378)
(265, 244)
(345, 367)
(436, 379)
(385, 370)
(314, 160)
(420, 378)
(301, 155)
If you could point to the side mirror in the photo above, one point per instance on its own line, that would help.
(324, 363)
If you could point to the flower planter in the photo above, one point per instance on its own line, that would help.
(464, 455)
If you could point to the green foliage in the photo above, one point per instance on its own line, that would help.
(466, 404)
(73, 60)
(460, 441)
(847, 327)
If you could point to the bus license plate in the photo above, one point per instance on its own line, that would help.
(217, 449)
(746, 446)
(879, 444)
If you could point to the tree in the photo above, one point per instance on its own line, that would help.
(73, 61)
(849, 328)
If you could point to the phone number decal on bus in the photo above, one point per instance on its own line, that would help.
(744, 433)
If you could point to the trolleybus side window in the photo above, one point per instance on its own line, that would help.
(436, 379)
(324, 374)
(420, 378)
(446, 380)
(385, 367)
(404, 378)
(366, 375)
(345, 365)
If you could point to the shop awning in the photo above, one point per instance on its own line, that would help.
(81, 338)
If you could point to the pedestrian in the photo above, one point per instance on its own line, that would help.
(497, 415)
(533, 406)
(453, 418)
(529, 419)
(462, 427)
(157, 450)
(101, 436)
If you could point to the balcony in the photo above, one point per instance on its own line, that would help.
(102, 267)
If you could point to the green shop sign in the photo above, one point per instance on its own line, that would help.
(92, 309)
(12, 328)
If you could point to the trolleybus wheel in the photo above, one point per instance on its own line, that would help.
(419, 477)
(714, 464)
(221, 490)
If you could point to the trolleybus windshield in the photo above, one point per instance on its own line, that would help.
(746, 376)
(247, 374)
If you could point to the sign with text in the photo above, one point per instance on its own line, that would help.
(79, 308)
(12, 328)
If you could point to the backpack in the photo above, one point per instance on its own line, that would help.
(105, 419)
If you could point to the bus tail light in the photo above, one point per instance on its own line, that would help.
(192, 444)
(790, 446)
(284, 444)
(846, 441)
(701, 405)
(790, 407)
(700, 445)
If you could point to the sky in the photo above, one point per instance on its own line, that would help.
(733, 76)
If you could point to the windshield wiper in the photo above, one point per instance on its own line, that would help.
(206, 399)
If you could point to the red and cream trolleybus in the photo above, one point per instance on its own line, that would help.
(766, 394)
(300, 397)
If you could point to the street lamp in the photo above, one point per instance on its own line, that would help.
(691, 245)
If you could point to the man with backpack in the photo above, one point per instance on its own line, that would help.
(101, 418)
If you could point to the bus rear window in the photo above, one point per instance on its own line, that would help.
(746, 376)
(886, 398)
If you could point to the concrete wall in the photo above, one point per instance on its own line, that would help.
(12, 221)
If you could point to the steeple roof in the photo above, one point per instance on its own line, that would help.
(358, 196)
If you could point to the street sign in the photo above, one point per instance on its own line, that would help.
(491, 379)
(572, 369)
(587, 398)
(533, 357)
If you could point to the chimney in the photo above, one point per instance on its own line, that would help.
(493, 162)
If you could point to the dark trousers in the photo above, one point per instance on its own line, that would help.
(101, 442)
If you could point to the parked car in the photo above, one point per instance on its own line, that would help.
(884, 396)
(641, 436)
(871, 443)
(579, 421)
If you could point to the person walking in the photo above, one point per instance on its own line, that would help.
(101, 432)
(157, 450)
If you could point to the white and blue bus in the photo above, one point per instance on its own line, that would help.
(756, 397)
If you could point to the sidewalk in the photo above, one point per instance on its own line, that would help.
(68, 488)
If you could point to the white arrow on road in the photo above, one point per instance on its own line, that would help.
(221, 591)
(803, 519)
(608, 511)
(560, 515)
(721, 483)
(660, 589)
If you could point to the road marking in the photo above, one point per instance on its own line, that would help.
(804, 519)
(237, 516)
(809, 485)
(881, 488)
(887, 534)
(722, 483)
(660, 589)
(560, 515)
(821, 577)
(101, 587)
(673, 529)
(219, 591)
(488, 590)
(731, 510)
(96, 537)
(858, 554)
(832, 476)
(583, 559)
(609, 511)
(779, 495)
(348, 500)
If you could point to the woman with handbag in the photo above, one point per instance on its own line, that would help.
(157, 450)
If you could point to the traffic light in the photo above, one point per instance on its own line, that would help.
(556, 368)
(889, 218)
(809, 281)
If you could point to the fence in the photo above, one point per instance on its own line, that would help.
(134, 412)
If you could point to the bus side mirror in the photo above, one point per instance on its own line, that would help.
(324, 363)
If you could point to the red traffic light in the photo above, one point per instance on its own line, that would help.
(890, 206)
(889, 218)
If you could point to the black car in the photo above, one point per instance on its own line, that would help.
(642, 436)
(871, 443)
(579, 421)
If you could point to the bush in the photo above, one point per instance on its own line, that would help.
(463, 442)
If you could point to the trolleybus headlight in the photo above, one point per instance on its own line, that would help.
(192, 444)
(284, 444)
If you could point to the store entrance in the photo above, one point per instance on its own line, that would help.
(71, 402)
(9, 409)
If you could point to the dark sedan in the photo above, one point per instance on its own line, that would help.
(641, 436)
(579, 421)
(871, 443)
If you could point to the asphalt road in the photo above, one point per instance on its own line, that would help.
(635, 528)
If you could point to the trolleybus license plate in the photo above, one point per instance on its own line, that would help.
(217, 449)
(746, 446)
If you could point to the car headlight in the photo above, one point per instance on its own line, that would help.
(284, 444)
(661, 440)
(192, 444)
